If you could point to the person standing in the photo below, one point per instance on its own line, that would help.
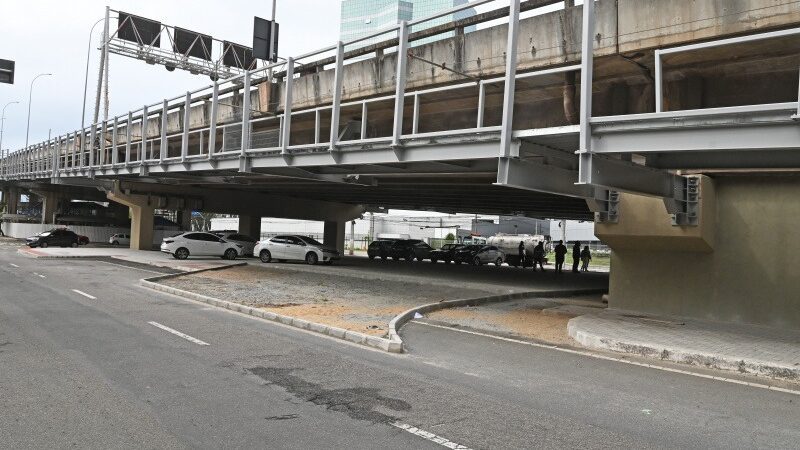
(538, 256)
(576, 256)
(521, 251)
(561, 253)
(586, 256)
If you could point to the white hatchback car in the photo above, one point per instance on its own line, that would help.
(295, 248)
(120, 239)
(199, 244)
(245, 241)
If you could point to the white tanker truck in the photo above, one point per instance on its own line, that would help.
(509, 244)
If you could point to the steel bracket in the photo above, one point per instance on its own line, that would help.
(685, 205)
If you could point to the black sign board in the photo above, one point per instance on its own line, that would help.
(262, 33)
(194, 44)
(237, 55)
(6, 71)
(138, 29)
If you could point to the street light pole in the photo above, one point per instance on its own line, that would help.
(86, 78)
(2, 125)
(30, 96)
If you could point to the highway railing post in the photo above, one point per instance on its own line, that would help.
(245, 115)
(186, 118)
(587, 67)
(212, 129)
(128, 136)
(337, 95)
(144, 131)
(114, 142)
(400, 80)
(164, 146)
(287, 107)
(511, 76)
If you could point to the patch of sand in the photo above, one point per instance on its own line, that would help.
(523, 322)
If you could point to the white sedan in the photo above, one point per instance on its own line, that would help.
(295, 248)
(246, 242)
(199, 244)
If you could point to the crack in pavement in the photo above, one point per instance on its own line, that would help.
(357, 403)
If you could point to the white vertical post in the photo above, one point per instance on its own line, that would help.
(415, 119)
(511, 78)
(658, 82)
(400, 79)
(587, 67)
(103, 131)
(114, 142)
(162, 154)
(143, 145)
(337, 95)
(364, 120)
(128, 135)
(92, 138)
(317, 125)
(481, 103)
(246, 114)
(186, 117)
(287, 106)
(212, 129)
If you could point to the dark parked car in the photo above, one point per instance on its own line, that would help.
(83, 240)
(447, 253)
(380, 248)
(56, 237)
(466, 254)
(410, 249)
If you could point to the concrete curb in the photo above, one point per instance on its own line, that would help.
(694, 357)
(352, 336)
(403, 318)
(30, 254)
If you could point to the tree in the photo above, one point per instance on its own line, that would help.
(450, 237)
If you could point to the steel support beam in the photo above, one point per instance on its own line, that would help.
(286, 131)
(212, 128)
(625, 176)
(509, 88)
(162, 155)
(400, 83)
(187, 108)
(585, 169)
(338, 76)
(533, 176)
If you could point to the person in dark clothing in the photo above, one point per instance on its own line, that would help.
(538, 256)
(576, 256)
(522, 253)
(561, 253)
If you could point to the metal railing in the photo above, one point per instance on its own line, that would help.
(143, 137)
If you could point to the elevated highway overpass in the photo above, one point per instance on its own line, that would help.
(651, 117)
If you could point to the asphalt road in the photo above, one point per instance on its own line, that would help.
(95, 373)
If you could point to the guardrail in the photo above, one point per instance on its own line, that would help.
(127, 140)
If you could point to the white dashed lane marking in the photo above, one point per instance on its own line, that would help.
(429, 436)
(178, 333)
(84, 294)
(13, 265)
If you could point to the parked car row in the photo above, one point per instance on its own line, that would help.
(414, 249)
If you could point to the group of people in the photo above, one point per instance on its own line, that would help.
(579, 257)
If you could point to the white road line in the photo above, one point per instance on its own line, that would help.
(84, 294)
(619, 360)
(39, 275)
(134, 268)
(429, 436)
(178, 333)
(13, 265)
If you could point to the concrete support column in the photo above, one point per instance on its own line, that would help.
(141, 211)
(184, 217)
(12, 200)
(49, 206)
(250, 226)
(333, 235)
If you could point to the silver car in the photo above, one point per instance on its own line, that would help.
(489, 254)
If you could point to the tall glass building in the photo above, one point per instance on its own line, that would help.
(361, 17)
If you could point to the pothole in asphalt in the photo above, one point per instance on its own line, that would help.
(357, 403)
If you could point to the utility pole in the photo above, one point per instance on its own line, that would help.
(272, 39)
(352, 236)
(101, 71)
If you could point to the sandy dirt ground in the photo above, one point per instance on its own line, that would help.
(520, 318)
(351, 303)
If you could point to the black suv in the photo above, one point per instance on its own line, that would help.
(447, 253)
(380, 248)
(59, 237)
(466, 254)
(410, 249)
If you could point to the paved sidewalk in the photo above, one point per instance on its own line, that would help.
(153, 258)
(743, 348)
